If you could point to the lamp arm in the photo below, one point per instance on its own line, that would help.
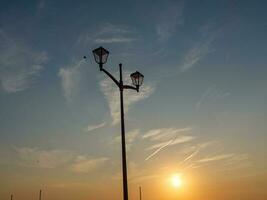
(110, 76)
(131, 87)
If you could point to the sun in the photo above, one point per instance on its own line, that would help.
(176, 180)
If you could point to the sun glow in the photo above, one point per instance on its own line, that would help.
(176, 180)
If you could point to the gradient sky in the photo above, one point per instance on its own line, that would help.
(201, 112)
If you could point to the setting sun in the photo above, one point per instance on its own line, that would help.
(168, 102)
(176, 180)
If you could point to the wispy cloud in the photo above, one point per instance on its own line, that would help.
(196, 53)
(164, 133)
(212, 94)
(113, 40)
(237, 161)
(237, 158)
(111, 93)
(170, 17)
(131, 137)
(34, 157)
(161, 146)
(70, 79)
(192, 152)
(109, 33)
(201, 48)
(199, 156)
(85, 164)
(19, 65)
(109, 28)
(189, 157)
(177, 140)
(165, 137)
(95, 126)
(215, 158)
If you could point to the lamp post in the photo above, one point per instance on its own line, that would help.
(40, 195)
(140, 193)
(101, 55)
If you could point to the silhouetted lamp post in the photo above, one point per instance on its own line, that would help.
(101, 55)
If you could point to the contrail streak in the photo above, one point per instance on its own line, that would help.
(158, 150)
(190, 156)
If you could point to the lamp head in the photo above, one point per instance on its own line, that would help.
(100, 55)
(137, 79)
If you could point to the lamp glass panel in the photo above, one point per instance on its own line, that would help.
(100, 55)
(141, 78)
(134, 79)
(104, 55)
(137, 78)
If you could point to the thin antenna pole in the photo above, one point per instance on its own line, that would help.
(40, 195)
(140, 192)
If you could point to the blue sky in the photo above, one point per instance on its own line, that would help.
(204, 92)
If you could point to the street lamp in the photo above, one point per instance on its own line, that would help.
(137, 79)
(101, 55)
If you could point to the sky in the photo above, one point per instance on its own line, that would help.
(201, 112)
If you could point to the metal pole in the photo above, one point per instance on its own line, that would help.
(124, 165)
(40, 195)
(140, 192)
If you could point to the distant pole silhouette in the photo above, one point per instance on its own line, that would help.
(140, 192)
(11, 197)
(101, 55)
(40, 195)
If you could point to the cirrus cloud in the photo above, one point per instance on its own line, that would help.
(19, 64)
(111, 93)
